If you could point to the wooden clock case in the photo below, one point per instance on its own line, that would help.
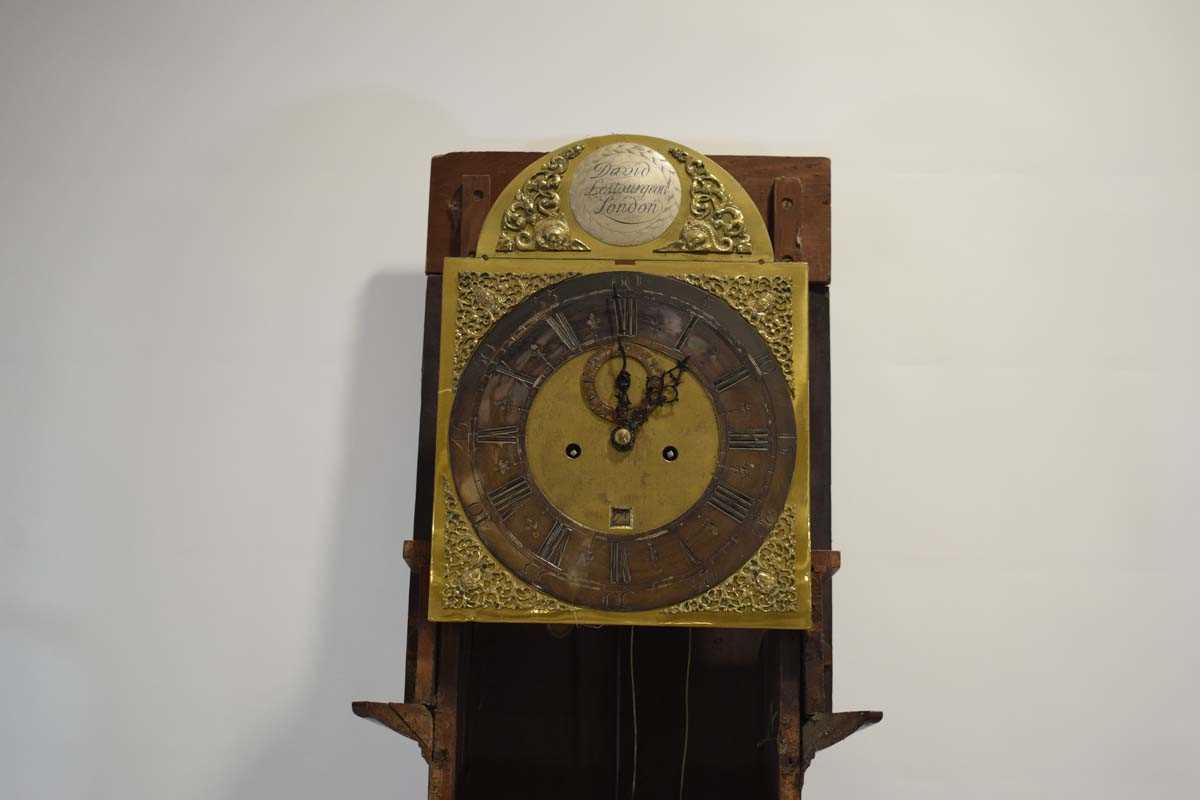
(535, 711)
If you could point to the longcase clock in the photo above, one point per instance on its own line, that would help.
(624, 456)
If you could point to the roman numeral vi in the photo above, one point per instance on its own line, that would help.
(618, 563)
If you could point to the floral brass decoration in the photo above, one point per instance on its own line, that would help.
(766, 584)
(534, 220)
(474, 579)
(714, 224)
(484, 297)
(765, 302)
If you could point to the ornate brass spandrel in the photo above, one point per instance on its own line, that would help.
(484, 297)
(715, 224)
(765, 585)
(534, 220)
(474, 579)
(763, 301)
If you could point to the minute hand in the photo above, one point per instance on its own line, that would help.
(661, 390)
(623, 382)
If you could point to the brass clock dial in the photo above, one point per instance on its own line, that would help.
(622, 441)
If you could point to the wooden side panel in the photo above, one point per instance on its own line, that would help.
(445, 766)
(419, 654)
(422, 633)
(820, 423)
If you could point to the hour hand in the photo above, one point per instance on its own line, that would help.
(622, 384)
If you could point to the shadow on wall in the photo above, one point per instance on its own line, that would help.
(317, 748)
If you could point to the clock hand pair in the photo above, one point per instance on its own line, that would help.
(660, 390)
(622, 435)
(663, 389)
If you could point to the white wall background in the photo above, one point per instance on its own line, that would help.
(212, 224)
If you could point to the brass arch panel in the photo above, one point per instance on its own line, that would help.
(716, 219)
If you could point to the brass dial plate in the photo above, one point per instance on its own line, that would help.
(735, 389)
(482, 570)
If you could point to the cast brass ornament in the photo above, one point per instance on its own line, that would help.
(533, 221)
(476, 579)
(765, 302)
(484, 297)
(715, 223)
(766, 584)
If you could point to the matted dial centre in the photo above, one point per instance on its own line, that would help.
(602, 478)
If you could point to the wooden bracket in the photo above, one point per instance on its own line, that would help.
(826, 562)
(411, 720)
(825, 730)
(416, 554)
(785, 218)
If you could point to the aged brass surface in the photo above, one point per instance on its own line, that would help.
(674, 495)
(533, 221)
(771, 589)
(766, 584)
(715, 224)
(599, 375)
(588, 487)
(481, 298)
(469, 579)
(717, 220)
(766, 302)
(595, 566)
